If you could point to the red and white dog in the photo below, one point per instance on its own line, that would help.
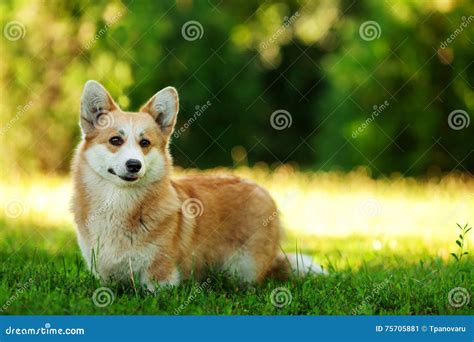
(134, 219)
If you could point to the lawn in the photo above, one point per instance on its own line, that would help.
(386, 244)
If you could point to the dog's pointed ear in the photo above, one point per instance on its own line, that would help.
(163, 107)
(95, 102)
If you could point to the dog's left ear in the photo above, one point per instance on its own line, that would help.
(163, 107)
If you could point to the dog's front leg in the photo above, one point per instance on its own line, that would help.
(162, 272)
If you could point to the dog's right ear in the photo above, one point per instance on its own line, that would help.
(95, 102)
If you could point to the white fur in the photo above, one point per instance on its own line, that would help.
(94, 98)
(113, 251)
(165, 103)
(100, 159)
(242, 265)
(173, 280)
(94, 101)
(303, 264)
(117, 254)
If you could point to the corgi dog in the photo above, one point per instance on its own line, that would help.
(134, 220)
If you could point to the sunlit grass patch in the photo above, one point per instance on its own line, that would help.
(47, 268)
(323, 203)
(386, 244)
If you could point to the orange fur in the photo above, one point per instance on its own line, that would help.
(164, 229)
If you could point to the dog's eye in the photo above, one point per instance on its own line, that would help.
(144, 143)
(116, 141)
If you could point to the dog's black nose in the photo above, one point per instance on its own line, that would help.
(133, 165)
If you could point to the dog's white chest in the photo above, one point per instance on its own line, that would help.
(116, 249)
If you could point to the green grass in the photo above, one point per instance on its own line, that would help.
(409, 276)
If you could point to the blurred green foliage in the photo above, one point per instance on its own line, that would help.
(249, 59)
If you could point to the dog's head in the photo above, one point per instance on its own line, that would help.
(127, 148)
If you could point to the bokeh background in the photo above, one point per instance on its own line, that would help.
(327, 63)
(355, 115)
